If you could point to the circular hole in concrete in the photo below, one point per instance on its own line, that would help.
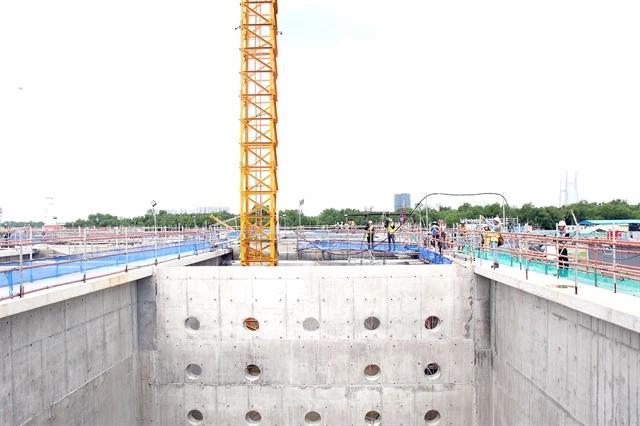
(372, 418)
(371, 323)
(251, 324)
(432, 417)
(432, 371)
(195, 417)
(252, 372)
(193, 371)
(432, 323)
(372, 372)
(313, 418)
(311, 324)
(192, 324)
(253, 417)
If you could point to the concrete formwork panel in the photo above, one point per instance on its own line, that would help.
(312, 346)
(556, 365)
(70, 362)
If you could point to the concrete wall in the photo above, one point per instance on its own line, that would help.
(555, 365)
(320, 370)
(510, 351)
(70, 362)
(70, 354)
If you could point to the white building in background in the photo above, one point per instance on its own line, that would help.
(49, 212)
(199, 210)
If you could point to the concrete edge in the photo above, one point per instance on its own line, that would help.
(598, 303)
(50, 296)
(200, 257)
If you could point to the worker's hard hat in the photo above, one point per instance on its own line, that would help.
(562, 223)
(370, 221)
(496, 219)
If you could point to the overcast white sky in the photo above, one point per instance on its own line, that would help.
(123, 102)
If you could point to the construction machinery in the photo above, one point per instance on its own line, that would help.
(221, 222)
(258, 137)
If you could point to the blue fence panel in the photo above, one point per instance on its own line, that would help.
(433, 257)
(70, 264)
(356, 246)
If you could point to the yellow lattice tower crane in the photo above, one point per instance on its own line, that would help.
(258, 137)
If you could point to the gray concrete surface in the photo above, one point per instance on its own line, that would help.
(70, 354)
(511, 350)
(67, 363)
(560, 358)
(320, 370)
(554, 365)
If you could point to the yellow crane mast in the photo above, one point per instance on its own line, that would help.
(258, 137)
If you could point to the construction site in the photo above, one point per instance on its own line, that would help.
(329, 325)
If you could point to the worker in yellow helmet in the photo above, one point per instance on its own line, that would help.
(491, 236)
(563, 252)
(368, 233)
(391, 236)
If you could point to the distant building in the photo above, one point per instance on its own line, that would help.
(400, 200)
(49, 215)
(199, 210)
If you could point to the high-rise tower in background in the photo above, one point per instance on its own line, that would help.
(401, 200)
(569, 193)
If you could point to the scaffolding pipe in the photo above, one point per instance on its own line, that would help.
(575, 277)
(126, 250)
(21, 283)
(613, 260)
(84, 257)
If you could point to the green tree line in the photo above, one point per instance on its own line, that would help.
(541, 217)
(162, 218)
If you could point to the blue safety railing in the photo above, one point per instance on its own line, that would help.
(12, 274)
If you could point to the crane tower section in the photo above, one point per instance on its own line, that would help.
(258, 137)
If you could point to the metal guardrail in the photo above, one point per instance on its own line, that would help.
(120, 253)
(601, 262)
(607, 263)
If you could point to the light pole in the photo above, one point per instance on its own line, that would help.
(284, 227)
(346, 221)
(155, 228)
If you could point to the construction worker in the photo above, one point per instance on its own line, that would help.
(369, 230)
(491, 235)
(563, 252)
(484, 234)
(4, 232)
(442, 237)
(460, 236)
(435, 232)
(391, 229)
